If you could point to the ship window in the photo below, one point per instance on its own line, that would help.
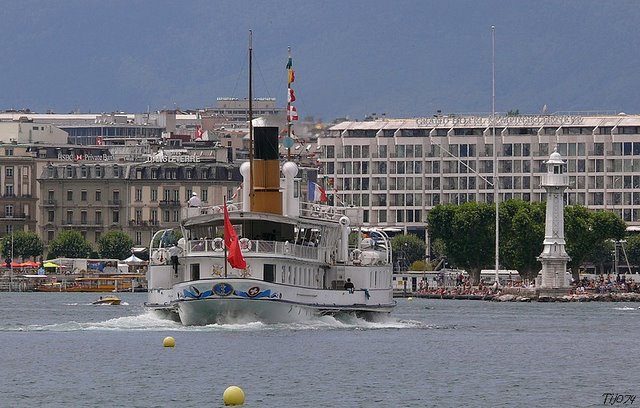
(195, 271)
(269, 273)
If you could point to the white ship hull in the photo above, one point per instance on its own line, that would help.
(219, 301)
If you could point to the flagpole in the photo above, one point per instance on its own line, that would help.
(495, 150)
(288, 107)
(225, 247)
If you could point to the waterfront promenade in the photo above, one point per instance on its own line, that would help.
(601, 288)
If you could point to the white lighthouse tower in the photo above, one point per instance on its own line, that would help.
(554, 258)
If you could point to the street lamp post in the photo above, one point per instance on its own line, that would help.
(11, 264)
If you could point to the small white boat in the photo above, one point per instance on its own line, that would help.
(108, 300)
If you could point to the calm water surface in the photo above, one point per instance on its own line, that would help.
(59, 350)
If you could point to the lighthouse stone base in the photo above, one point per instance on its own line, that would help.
(553, 274)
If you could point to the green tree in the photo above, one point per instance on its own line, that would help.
(407, 249)
(586, 231)
(521, 236)
(467, 233)
(632, 248)
(69, 244)
(26, 244)
(601, 257)
(115, 244)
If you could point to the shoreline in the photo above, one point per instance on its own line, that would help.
(530, 296)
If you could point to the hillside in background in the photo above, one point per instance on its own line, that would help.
(403, 58)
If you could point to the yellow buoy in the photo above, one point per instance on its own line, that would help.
(409, 298)
(233, 396)
(169, 342)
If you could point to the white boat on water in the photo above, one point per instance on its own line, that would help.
(297, 261)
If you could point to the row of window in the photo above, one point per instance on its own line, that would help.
(168, 195)
(83, 195)
(605, 130)
(119, 131)
(70, 171)
(471, 182)
(167, 216)
(455, 166)
(470, 150)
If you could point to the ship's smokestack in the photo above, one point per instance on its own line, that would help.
(266, 185)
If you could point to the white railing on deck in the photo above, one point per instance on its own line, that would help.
(209, 210)
(256, 247)
(307, 209)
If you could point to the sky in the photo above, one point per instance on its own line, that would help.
(403, 58)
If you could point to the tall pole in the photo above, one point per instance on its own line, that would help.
(495, 148)
(288, 107)
(226, 261)
(11, 264)
(251, 184)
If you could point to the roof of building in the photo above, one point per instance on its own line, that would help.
(484, 122)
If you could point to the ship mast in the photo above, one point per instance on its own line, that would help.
(288, 109)
(251, 185)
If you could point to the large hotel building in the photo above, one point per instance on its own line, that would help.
(398, 169)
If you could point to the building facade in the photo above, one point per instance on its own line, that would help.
(18, 188)
(399, 169)
(94, 197)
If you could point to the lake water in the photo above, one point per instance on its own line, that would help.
(59, 350)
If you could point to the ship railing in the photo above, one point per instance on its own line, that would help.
(188, 212)
(261, 247)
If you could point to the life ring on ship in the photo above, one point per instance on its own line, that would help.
(315, 211)
(218, 244)
(245, 244)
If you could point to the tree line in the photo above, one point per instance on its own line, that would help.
(465, 236)
(68, 244)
